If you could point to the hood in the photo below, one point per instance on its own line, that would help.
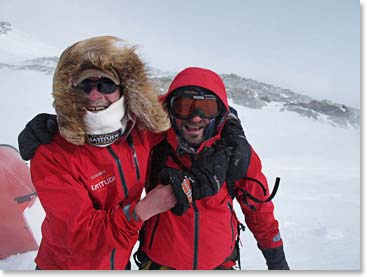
(201, 77)
(109, 57)
(204, 78)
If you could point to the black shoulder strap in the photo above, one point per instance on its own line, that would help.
(159, 156)
(230, 182)
(158, 159)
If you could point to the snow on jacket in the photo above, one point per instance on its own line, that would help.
(205, 235)
(88, 193)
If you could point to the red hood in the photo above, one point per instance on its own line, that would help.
(201, 77)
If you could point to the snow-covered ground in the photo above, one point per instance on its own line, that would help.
(318, 202)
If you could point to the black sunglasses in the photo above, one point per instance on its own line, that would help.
(105, 86)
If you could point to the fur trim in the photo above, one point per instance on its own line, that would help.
(111, 56)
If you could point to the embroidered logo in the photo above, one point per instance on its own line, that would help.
(100, 185)
(104, 139)
(98, 174)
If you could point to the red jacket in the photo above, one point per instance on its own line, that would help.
(83, 190)
(204, 236)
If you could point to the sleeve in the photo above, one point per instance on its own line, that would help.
(259, 217)
(72, 222)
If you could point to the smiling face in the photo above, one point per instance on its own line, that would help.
(191, 112)
(98, 101)
(193, 129)
(100, 93)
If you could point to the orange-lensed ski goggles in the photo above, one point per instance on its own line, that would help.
(188, 106)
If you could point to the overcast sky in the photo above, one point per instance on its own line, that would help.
(309, 46)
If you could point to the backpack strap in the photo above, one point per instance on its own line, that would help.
(245, 152)
(158, 160)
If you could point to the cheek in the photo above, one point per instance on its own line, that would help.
(113, 97)
(179, 123)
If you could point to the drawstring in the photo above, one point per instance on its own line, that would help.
(246, 194)
(240, 227)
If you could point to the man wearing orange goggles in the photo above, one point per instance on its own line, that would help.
(193, 111)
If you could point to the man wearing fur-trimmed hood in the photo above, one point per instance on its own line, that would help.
(106, 57)
(90, 177)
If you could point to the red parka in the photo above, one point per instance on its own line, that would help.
(83, 190)
(89, 192)
(205, 235)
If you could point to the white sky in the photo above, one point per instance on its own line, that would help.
(309, 46)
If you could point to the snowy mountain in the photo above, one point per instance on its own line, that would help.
(5, 27)
(246, 92)
(313, 146)
(257, 95)
(44, 65)
(17, 46)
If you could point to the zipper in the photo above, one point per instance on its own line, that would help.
(231, 219)
(135, 157)
(153, 232)
(196, 235)
(112, 259)
(118, 162)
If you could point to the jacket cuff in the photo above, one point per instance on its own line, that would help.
(275, 258)
(131, 215)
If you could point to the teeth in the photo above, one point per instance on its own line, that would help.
(193, 128)
(96, 108)
(100, 108)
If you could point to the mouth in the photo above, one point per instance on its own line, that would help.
(96, 109)
(193, 130)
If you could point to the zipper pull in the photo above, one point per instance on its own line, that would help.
(134, 157)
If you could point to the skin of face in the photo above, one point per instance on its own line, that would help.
(97, 101)
(193, 129)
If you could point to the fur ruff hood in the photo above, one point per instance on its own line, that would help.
(111, 57)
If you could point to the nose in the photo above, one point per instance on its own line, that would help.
(94, 94)
(196, 119)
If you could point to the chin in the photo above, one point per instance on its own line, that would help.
(194, 141)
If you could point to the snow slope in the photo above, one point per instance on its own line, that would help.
(318, 202)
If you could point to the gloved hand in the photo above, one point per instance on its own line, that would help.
(275, 258)
(210, 170)
(40, 130)
(181, 184)
(234, 138)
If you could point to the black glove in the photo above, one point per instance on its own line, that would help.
(40, 130)
(234, 138)
(176, 178)
(275, 258)
(210, 170)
